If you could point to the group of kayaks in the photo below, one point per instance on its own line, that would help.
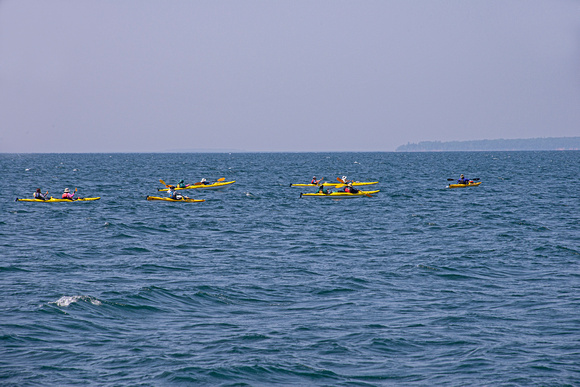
(219, 185)
(342, 189)
(345, 189)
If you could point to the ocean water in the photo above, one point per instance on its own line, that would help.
(419, 285)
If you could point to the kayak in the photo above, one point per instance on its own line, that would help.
(187, 200)
(355, 184)
(339, 195)
(464, 185)
(214, 186)
(54, 200)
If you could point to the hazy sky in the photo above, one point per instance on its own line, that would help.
(152, 76)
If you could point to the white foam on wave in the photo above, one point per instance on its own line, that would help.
(67, 300)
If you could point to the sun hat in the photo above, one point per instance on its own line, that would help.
(66, 190)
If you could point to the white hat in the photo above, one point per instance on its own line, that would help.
(202, 180)
(66, 190)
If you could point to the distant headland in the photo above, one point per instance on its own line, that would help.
(525, 144)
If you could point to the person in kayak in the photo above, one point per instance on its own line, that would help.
(181, 184)
(314, 181)
(204, 181)
(463, 180)
(350, 189)
(38, 194)
(322, 190)
(67, 195)
(173, 193)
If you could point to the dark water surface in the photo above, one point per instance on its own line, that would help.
(419, 285)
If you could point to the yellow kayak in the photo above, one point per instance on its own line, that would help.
(339, 195)
(187, 200)
(55, 200)
(214, 186)
(354, 183)
(464, 185)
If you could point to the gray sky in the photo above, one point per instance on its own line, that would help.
(328, 75)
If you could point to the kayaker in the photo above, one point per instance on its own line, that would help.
(38, 194)
(204, 181)
(173, 193)
(462, 180)
(322, 190)
(181, 184)
(67, 195)
(349, 188)
(314, 181)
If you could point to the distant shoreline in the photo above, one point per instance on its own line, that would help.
(529, 144)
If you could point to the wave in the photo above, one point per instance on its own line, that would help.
(65, 301)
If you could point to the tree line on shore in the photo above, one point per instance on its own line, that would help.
(529, 144)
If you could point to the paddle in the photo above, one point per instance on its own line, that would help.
(221, 179)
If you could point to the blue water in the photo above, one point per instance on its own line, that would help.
(418, 285)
